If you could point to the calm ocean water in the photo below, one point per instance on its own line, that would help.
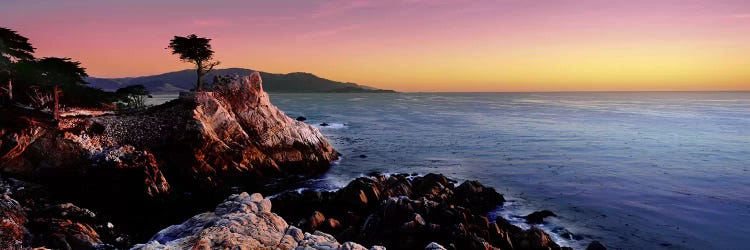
(636, 170)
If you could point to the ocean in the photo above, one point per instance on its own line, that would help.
(634, 170)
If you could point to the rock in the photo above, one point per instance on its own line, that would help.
(434, 187)
(351, 246)
(35, 218)
(358, 193)
(12, 220)
(410, 212)
(434, 246)
(316, 219)
(141, 165)
(362, 156)
(67, 226)
(534, 238)
(301, 118)
(476, 196)
(538, 216)
(231, 226)
(324, 124)
(332, 224)
(596, 245)
(213, 140)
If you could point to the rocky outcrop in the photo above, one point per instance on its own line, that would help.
(410, 212)
(141, 167)
(242, 221)
(538, 216)
(209, 141)
(32, 218)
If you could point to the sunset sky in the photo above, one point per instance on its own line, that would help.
(414, 45)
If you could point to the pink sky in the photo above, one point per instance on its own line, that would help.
(413, 45)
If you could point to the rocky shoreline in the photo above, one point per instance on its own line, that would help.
(380, 212)
(112, 181)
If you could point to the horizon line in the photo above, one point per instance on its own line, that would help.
(438, 91)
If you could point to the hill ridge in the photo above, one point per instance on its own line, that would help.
(184, 80)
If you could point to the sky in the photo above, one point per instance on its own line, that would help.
(413, 45)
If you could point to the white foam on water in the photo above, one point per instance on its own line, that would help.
(514, 210)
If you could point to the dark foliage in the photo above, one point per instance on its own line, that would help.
(133, 96)
(196, 50)
(14, 47)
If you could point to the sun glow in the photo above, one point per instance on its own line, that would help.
(570, 45)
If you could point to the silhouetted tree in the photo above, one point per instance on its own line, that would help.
(13, 48)
(53, 73)
(134, 95)
(196, 50)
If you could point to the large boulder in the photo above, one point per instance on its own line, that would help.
(242, 221)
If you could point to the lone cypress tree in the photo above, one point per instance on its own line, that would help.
(196, 50)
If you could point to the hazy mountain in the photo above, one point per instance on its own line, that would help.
(174, 82)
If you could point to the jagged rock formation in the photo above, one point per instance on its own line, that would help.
(211, 140)
(408, 212)
(139, 167)
(242, 221)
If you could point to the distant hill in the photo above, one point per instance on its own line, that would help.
(184, 80)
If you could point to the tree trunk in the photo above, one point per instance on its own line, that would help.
(199, 84)
(57, 103)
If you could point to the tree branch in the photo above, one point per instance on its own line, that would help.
(211, 66)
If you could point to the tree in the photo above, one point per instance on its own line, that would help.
(13, 48)
(134, 95)
(195, 50)
(55, 73)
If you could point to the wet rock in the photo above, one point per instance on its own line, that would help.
(434, 187)
(538, 216)
(362, 156)
(474, 195)
(410, 212)
(324, 124)
(301, 118)
(534, 238)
